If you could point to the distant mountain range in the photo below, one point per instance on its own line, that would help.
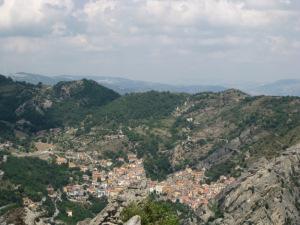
(120, 85)
(287, 87)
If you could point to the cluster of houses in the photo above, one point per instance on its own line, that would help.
(187, 187)
(109, 183)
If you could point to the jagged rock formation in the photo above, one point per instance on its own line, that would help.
(267, 195)
(111, 215)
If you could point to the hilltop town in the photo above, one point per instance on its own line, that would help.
(187, 186)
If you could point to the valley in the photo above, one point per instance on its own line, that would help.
(79, 153)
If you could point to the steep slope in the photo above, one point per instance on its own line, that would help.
(12, 96)
(230, 130)
(29, 108)
(267, 194)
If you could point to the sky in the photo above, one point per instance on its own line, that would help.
(171, 41)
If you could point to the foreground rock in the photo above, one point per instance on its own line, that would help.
(269, 194)
(112, 212)
(136, 220)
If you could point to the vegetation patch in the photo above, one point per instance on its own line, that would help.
(156, 212)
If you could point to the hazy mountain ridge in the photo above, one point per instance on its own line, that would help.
(120, 85)
(288, 87)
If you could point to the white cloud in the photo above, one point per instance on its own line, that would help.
(265, 4)
(151, 30)
(214, 12)
(27, 14)
(22, 45)
(283, 46)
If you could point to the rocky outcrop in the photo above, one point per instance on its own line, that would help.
(111, 215)
(22, 216)
(136, 220)
(267, 195)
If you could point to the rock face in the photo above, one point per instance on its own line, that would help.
(111, 214)
(269, 194)
(136, 220)
(21, 216)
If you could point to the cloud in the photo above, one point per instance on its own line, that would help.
(136, 16)
(155, 33)
(25, 16)
(214, 12)
(283, 46)
(21, 45)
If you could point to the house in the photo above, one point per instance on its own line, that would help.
(132, 158)
(85, 177)
(158, 189)
(72, 165)
(96, 175)
(109, 163)
(101, 193)
(121, 159)
(190, 120)
(83, 168)
(91, 190)
(61, 160)
(69, 213)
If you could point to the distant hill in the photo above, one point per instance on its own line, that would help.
(288, 87)
(36, 78)
(120, 85)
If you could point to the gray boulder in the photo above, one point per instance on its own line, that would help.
(136, 220)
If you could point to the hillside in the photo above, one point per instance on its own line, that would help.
(153, 136)
(12, 96)
(140, 106)
(230, 130)
(29, 108)
(212, 130)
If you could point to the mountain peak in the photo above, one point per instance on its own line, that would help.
(88, 91)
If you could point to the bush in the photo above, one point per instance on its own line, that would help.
(152, 212)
